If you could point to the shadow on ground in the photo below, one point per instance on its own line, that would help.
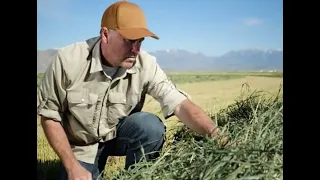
(48, 170)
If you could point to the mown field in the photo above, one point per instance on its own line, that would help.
(190, 77)
(235, 101)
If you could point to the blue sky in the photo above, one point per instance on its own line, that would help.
(212, 27)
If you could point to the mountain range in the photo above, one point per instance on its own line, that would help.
(182, 60)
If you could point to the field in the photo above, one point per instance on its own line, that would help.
(251, 125)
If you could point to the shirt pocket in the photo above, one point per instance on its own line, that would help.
(120, 105)
(82, 106)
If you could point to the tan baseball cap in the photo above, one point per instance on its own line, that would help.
(128, 19)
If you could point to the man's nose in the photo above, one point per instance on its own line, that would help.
(136, 47)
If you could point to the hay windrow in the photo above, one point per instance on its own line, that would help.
(253, 123)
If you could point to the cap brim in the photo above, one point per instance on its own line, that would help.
(136, 33)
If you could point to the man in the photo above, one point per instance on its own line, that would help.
(92, 94)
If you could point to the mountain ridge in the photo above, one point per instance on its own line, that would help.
(251, 59)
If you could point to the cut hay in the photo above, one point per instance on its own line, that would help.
(254, 125)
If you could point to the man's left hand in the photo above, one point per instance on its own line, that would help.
(222, 138)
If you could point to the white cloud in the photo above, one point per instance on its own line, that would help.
(252, 21)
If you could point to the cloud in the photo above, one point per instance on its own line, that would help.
(252, 21)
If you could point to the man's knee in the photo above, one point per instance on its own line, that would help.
(148, 124)
(150, 132)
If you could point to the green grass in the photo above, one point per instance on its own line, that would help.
(48, 169)
(190, 77)
(39, 77)
(254, 124)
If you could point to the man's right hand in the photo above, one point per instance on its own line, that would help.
(78, 172)
(58, 140)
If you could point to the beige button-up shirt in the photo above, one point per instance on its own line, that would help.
(76, 92)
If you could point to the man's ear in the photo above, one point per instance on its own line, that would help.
(104, 34)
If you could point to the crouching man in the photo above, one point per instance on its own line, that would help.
(92, 94)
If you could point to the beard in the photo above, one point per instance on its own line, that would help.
(128, 62)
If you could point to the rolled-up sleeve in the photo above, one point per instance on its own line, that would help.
(164, 91)
(51, 91)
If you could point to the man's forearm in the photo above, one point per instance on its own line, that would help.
(58, 141)
(195, 118)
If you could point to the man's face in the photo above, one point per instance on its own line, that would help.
(120, 51)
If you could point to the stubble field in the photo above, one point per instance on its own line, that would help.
(214, 92)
